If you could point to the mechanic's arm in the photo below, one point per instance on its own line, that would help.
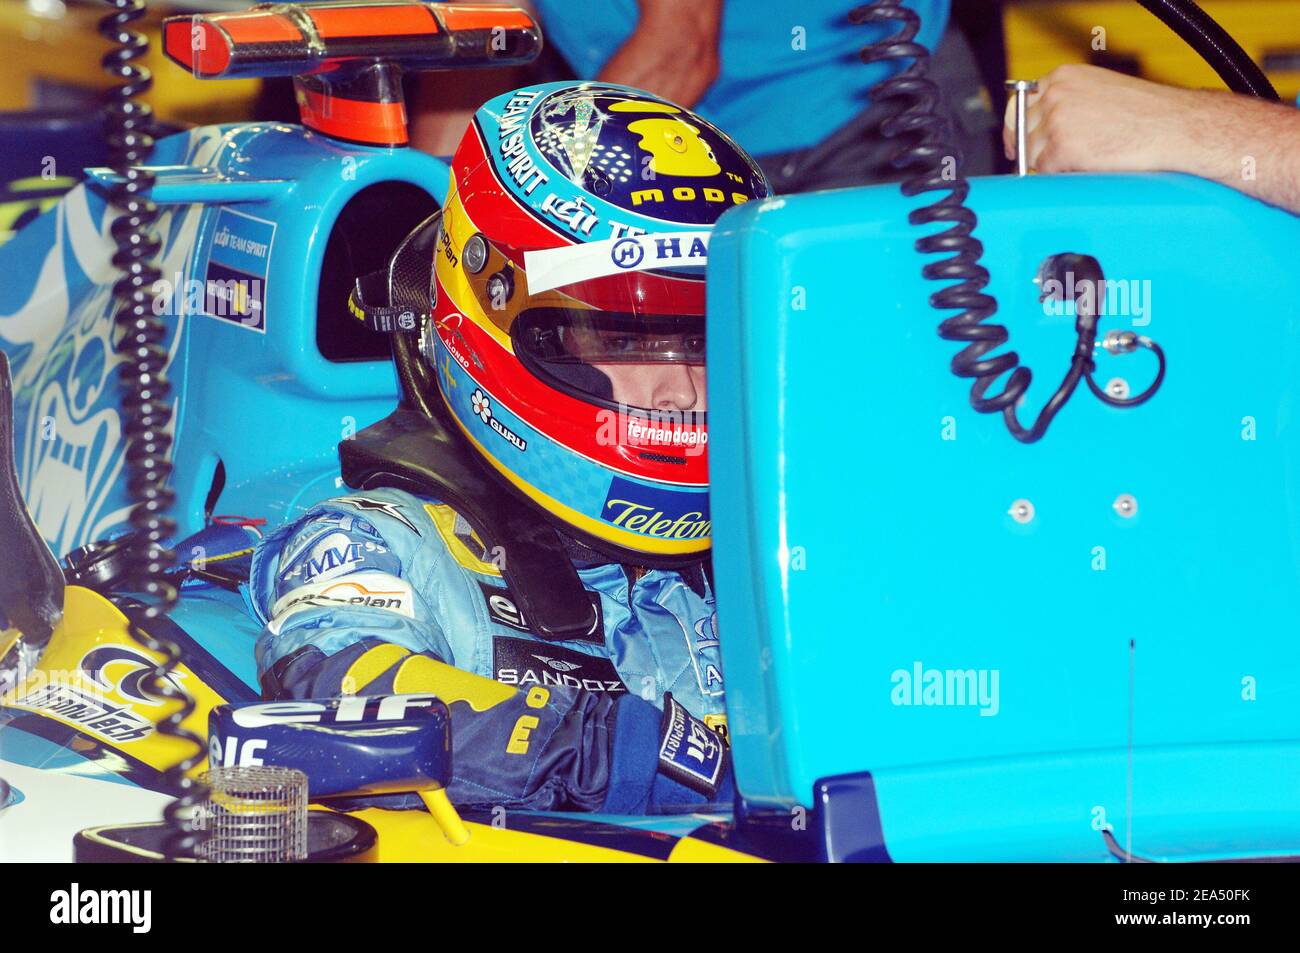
(1084, 118)
(346, 613)
(673, 52)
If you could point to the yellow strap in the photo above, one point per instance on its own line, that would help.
(444, 518)
(423, 674)
(371, 665)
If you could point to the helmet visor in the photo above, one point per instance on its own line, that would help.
(647, 361)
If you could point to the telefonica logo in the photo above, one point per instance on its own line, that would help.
(74, 906)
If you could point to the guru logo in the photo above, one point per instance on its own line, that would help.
(481, 404)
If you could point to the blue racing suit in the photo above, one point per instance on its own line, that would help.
(382, 591)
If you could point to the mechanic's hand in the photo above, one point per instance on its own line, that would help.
(673, 52)
(1085, 118)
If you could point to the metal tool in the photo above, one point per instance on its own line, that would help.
(1022, 88)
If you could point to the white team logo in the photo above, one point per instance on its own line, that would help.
(558, 664)
(554, 267)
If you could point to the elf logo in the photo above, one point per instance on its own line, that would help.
(74, 906)
(504, 610)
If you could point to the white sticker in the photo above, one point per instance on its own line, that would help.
(376, 590)
(554, 267)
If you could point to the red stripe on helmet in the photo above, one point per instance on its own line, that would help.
(486, 199)
(577, 424)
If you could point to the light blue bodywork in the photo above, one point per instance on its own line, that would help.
(265, 403)
(862, 525)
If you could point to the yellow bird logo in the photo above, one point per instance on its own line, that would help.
(676, 147)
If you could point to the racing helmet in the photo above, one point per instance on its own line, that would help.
(567, 337)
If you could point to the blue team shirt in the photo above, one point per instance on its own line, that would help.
(769, 96)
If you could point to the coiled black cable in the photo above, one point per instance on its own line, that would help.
(929, 152)
(145, 396)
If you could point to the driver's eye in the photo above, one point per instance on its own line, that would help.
(694, 344)
(620, 344)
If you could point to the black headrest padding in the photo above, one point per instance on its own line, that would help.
(31, 585)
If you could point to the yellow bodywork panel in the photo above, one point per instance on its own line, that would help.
(63, 49)
(88, 678)
(413, 836)
(1043, 34)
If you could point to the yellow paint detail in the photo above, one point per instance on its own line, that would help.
(519, 737)
(371, 665)
(457, 282)
(10, 212)
(597, 528)
(444, 815)
(641, 106)
(38, 183)
(718, 723)
(1042, 35)
(444, 519)
(414, 836)
(676, 147)
(90, 621)
(423, 674)
(63, 48)
(233, 555)
(691, 851)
